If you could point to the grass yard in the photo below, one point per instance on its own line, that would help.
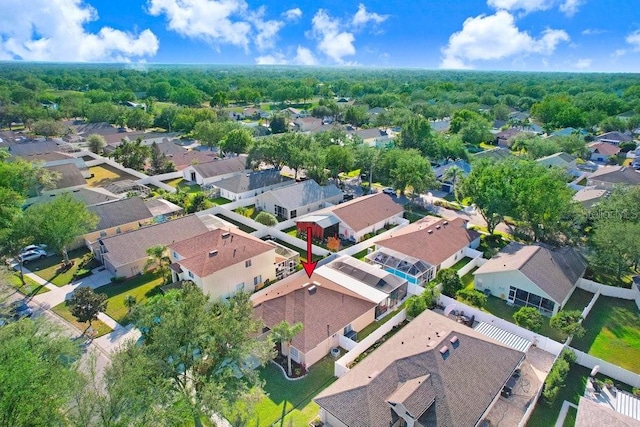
(47, 268)
(302, 252)
(412, 217)
(579, 300)
(141, 287)
(613, 333)
(103, 175)
(461, 263)
(467, 279)
(375, 325)
(30, 288)
(291, 231)
(220, 201)
(570, 418)
(247, 211)
(184, 185)
(63, 311)
(240, 225)
(293, 398)
(363, 253)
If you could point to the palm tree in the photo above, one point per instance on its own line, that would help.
(453, 174)
(284, 333)
(130, 302)
(158, 260)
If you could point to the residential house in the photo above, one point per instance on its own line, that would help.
(162, 209)
(222, 262)
(601, 151)
(294, 113)
(242, 186)
(88, 196)
(254, 113)
(71, 177)
(607, 177)
(125, 254)
(440, 125)
(418, 251)
(615, 138)
(374, 137)
(30, 148)
(495, 154)
(433, 372)
(440, 172)
(589, 196)
(532, 276)
(367, 214)
(308, 125)
(206, 173)
(183, 158)
(561, 160)
(326, 310)
(505, 138)
(117, 217)
(386, 290)
(298, 199)
(596, 414)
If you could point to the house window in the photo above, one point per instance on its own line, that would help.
(347, 329)
(191, 275)
(527, 299)
(294, 353)
(257, 280)
(294, 213)
(175, 255)
(240, 287)
(280, 211)
(247, 263)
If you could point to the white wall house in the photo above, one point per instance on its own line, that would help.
(216, 170)
(298, 199)
(251, 184)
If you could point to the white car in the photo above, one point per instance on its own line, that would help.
(32, 255)
(390, 191)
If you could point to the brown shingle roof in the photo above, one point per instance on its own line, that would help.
(232, 247)
(326, 311)
(604, 148)
(464, 383)
(431, 239)
(129, 247)
(363, 212)
(555, 271)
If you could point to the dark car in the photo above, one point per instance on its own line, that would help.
(20, 310)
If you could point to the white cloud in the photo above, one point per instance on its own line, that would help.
(618, 53)
(583, 63)
(46, 30)
(634, 39)
(593, 31)
(491, 37)
(274, 59)
(332, 42)
(218, 21)
(570, 7)
(293, 14)
(362, 17)
(304, 56)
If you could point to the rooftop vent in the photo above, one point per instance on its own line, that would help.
(455, 342)
(438, 227)
(430, 231)
(312, 289)
(226, 234)
(444, 351)
(213, 253)
(446, 223)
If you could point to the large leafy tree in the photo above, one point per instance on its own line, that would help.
(85, 304)
(236, 141)
(284, 333)
(96, 143)
(338, 159)
(37, 380)
(412, 171)
(131, 154)
(529, 318)
(203, 349)
(417, 134)
(568, 321)
(59, 222)
(451, 282)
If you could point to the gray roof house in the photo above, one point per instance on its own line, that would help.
(120, 212)
(125, 254)
(215, 170)
(615, 138)
(532, 275)
(433, 372)
(70, 177)
(251, 184)
(298, 199)
(607, 177)
(562, 160)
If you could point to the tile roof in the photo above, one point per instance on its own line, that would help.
(221, 167)
(70, 175)
(554, 271)
(328, 310)
(433, 240)
(410, 366)
(129, 247)
(182, 157)
(616, 175)
(363, 212)
(229, 246)
(47, 157)
(303, 193)
(120, 212)
(253, 181)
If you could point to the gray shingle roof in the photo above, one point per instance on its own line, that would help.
(616, 175)
(120, 212)
(252, 181)
(554, 271)
(26, 149)
(70, 175)
(303, 194)
(128, 247)
(464, 383)
(221, 167)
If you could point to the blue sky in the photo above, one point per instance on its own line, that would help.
(538, 35)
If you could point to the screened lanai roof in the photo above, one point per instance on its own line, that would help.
(389, 258)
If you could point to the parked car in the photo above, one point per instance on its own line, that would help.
(20, 310)
(34, 247)
(32, 255)
(389, 190)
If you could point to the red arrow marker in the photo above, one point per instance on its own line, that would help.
(309, 266)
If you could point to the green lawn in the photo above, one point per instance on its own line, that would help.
(247, 211)
(291, 397)
(570, 419)
(184, 185)
(47, 268)
(579, 300)
(30, 288)
(141, 287)
(363, 253)
(378, 323)
(220, 201)
(461, 263)
(240, 225)
(467, 279)
(545, 413)
(613, 333)
(291, 231)
(412, 217)
(63, 311)
(302, 252)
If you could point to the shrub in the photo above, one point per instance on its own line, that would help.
(415, 305)
(265, 218)
(473, 297)
(451, 282)
(528, 317)
(568, 322)
(636, 391)
(117, 279)
(557, 375)
(81, 273)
